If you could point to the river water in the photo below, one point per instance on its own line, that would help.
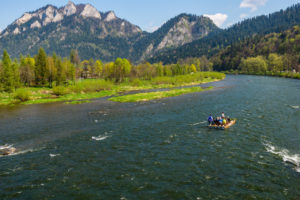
(159, 149)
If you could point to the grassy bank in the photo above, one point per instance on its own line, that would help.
(276, 74)
(157, 95)
(97, 88)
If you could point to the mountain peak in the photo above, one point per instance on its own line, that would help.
(70, 9)
(110, 15)
(90, 11)
(25, 18)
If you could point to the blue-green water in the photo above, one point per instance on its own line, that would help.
(158, 149)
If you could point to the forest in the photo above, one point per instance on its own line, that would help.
(262, 54)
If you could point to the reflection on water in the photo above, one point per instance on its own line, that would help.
(160, 149)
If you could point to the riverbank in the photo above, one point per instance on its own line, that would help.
(97, 88)
(276, 74)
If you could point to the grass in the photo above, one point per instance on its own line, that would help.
(97, 88)
(157, 95)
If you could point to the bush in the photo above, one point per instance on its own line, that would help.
(91, 86)
(60, 90)
(22, 94)
(136, 82)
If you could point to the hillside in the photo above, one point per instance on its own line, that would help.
(280, 51)
(209, 45)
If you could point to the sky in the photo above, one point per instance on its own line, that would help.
(151, 14)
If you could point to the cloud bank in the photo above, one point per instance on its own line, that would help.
(253, 4)
(218, 18)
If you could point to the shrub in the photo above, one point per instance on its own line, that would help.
(60, 90)
(136, 82)
(22, 94)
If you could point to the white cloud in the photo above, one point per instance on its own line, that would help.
(243, 16)
(218, 18)
(253, 4)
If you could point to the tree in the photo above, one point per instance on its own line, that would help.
(122, 68)
(98, 68)
(7, 75)
(109, 70)
(60, 74)
(253, 65)
(159, 69)
(40, 67)
(51, 70)
(69, 69)
(27, 70)
(193, 68)
(16, 73)
(275, 63)
(74, 57)
(85, 68)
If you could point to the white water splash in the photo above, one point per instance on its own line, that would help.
(198, 123)
(295, 107)
(6, 146)
(53, 155)
(286, 156)
(100, 137)
(16, 150)
(19, 152)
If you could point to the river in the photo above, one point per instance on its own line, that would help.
(159, 149)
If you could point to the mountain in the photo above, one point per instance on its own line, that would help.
(176, 32)
(97, 35)
(213, 42)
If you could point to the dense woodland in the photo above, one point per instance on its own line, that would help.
(44, 70)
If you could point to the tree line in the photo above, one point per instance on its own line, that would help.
(42, 70)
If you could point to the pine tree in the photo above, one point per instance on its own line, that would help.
(40, 67)
(7, 75)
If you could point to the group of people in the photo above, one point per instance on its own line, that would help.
(219, 121)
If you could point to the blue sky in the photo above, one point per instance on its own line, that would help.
(150, 14)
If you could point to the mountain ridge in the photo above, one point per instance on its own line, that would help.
(97, 34)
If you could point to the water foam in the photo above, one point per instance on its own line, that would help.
(198, 123)
(17, 151)
(100, 137)
(295, 107)
(286, 156)
(53, 155)
(6, 146)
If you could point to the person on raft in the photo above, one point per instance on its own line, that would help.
(218, 121)
(210, 120)
(223, 115)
